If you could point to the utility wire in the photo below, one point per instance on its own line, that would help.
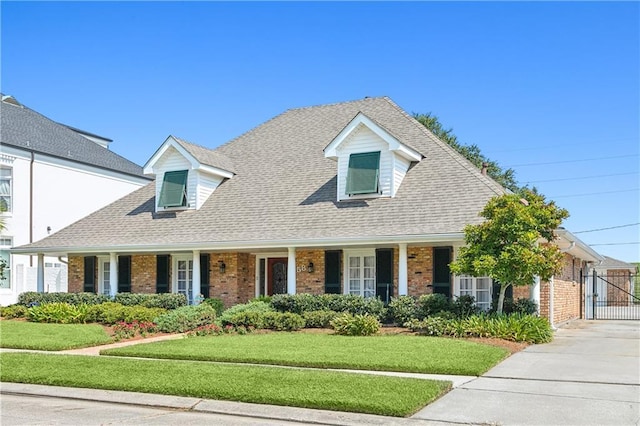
(594, 193)
(582, 177)
(573, 161)
(615, 244)
(611, 227)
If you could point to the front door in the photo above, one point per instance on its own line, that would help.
(277, 276)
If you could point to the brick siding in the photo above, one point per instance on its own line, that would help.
(419, 271)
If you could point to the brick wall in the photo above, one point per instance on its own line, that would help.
(310, 282)
(75, 274)
(419, 270)
(143, 274)
(568, 298)
(619, 289)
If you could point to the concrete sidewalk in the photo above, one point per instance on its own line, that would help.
(589, 375)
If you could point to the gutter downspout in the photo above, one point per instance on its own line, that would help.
(31, 204)
(551, 289)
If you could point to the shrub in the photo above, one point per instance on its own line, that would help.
(402, 309)
(162, 300)
(301, 303)
(31, 298)
(206, 330)
(127, 330)
(520, 306)
(216, 304)
(251, 306)
(142, 314)
(61, 313)
(283, 321)
(185, 318)
(13, 311)
(431, 326)
(431, 304)
(464, 306)
(355, 325)
(246, 318)
(319, 319)
(106, 313)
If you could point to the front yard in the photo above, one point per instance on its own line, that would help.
(51, 337)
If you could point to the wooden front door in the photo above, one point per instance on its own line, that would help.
(277, 276)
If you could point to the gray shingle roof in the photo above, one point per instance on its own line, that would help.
(611, 263)
(24, 128)
(285, 189)
(207, 156)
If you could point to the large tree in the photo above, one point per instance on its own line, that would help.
(515, 242)
(472, 153)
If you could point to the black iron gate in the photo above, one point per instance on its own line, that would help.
(614, 296)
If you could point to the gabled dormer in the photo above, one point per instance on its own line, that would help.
(371, 161)
(186, 174)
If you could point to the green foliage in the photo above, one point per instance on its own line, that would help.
(229, 315)
(506, 178)
(31, 298)
(464, 306)
(216, 304)
(430, 326)
(60, 313)
(520, 306)
(301, 303)
(185, 318)
(13, 311)
(506, 245)
(50, 337)
(348, 324)
(111, 312)
(262, 298)
(402, 309)
(162, 300)
(130, 329)
(319, 319)
(283, 321)
(245, 318)
(432, 304)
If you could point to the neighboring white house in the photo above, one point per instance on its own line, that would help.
(51, 175)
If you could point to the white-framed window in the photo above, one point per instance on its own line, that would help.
(478, 287)
(5, 257)
(183, 276)
(360, 273)
(6, 189)
(104, 275)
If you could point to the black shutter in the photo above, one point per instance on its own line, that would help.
(204, 275)
(441, 271)
(162, 273)
(124, 274)
(508, 293)
(332, 271)
(384, 274)
(89, 274)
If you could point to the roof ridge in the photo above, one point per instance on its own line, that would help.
(182, 140)
(334, 104)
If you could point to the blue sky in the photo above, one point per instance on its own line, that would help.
(551, 89)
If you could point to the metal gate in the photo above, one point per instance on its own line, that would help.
(615, 296)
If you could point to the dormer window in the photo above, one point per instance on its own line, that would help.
(363, 176)
(174, 189)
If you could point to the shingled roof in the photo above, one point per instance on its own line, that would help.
(24, 128)
(284, 191)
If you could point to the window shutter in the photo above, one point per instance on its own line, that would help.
(173, 192)
(441, 272)
(204, 275)
(363, 173)
(332, 271)
(90, 274)
(124, 274)
(495, 290)
(162, 273)
(384, 274)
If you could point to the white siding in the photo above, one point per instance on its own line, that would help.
(400, 168)
(206, 185)
(364, 140)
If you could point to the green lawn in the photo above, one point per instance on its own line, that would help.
(329, 390)
(50, 337)
(387, 352)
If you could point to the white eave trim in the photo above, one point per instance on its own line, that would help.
(448, 238)
(575, 246)
(395, 145)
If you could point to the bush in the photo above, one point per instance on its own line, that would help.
(32, 298)
(245, 319)
(13, 311)
(127, 330)
(106, 313)
(464, 306)
(216, 304)
(283, 321)
(319, 319)
(60, 313)
(162, 300)
(244, 307)
(301, 303)
(432, 304)
(186, 318)
(402, 309)
(431, 326)
(355, 325)
(520, 306)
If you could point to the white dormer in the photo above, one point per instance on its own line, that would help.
(371, 162)
(186, 174)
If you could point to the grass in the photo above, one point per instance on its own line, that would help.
(386, 352)
(392, 396)
(50, 337)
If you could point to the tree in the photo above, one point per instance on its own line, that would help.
(514, 244)
(472, 153)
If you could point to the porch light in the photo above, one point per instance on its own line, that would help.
(222, 266)
(310, 267)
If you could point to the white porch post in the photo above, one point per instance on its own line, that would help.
(291, 271)
(113, 274)
(40, 276)
(402, 270)
(534, 292)
(195, 281)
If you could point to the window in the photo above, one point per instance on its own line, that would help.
(363, 174)
(174, 189)
(184, 277)
(5, 262)
(361, 273)
(6, 204)
(479, 288)
(105, 277)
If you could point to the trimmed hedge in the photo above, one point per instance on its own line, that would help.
(31, 298)
(162, 300)
(301, 303)
(186, 318)
(13, 311)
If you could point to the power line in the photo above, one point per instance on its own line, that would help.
(582, 177)
(594, 193)
(573, 161)
(611, 227)
(615, 244)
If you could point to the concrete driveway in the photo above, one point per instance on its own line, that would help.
(589, 375)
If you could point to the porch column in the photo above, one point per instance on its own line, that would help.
(291, 271)
(113, 274)
(195, 280)
(40, 277)
(534, 292)
(402, 270)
